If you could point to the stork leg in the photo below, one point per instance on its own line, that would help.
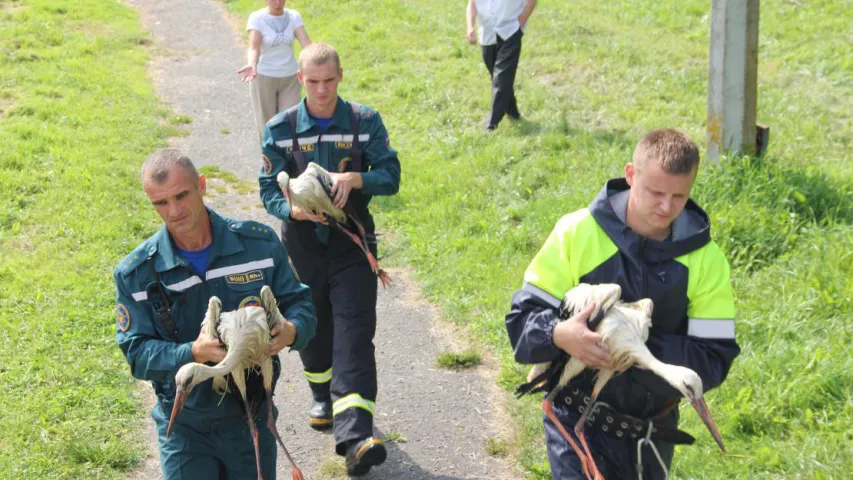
(254, 432)
(296, 473)
(361, 242)
(548, 408)
(603, 377)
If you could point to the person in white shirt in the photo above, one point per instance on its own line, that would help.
(271, 63)
(501, 24)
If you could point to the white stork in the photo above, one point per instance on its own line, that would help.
(624, 328)
(312, 191)
(245, 332)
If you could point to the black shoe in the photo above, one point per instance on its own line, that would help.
(320, 415)
(364, 454)
(515, 117)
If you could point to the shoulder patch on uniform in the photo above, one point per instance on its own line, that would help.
(266, 164)
(367, 112)
(252, 229)
(122, 317)
(293, 269)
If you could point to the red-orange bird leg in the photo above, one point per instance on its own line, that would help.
(548, 408)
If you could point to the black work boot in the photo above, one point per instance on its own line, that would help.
(364, 454)
(320, 415)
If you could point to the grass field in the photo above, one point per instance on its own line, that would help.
(78, 115)
(472, 210)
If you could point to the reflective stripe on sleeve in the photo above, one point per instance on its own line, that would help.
(175, 287)
(321, 377)
(718, 328)
(541, 294)
(352, 400)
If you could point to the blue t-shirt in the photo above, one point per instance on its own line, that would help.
(323, 123)
(198, 258)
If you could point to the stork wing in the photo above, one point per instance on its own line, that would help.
(270, 305)
(211, 318)
(283, 180)
(321, 175)
(604, 295)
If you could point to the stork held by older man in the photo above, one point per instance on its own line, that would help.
(245, 333)
(312, 192)
(624, 328)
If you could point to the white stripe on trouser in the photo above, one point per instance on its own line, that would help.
(719, 328)
(352, 400)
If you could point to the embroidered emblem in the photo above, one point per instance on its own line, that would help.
(343, 145)
(244, 278)
(122, 317)
(343, 164)
(293, 269)
(250, 302)
(267, 165)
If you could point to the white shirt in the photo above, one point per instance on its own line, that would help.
(277, 34)
(498, 17)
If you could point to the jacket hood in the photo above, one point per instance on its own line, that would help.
(691, 230)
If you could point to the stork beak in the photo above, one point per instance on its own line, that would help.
(703, 411)
(180, 398)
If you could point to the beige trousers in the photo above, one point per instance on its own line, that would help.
(271, 95)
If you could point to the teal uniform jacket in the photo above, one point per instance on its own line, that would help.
(244, 256)
(331, 150)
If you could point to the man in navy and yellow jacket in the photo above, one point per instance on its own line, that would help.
(163, 288)
(644, 233)
(351, 142)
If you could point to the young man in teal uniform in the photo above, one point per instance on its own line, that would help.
(349, 141)
(644, 233)
(163, 289)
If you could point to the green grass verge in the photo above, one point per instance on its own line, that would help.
(78, 116)
(458, 360)
(594, 76)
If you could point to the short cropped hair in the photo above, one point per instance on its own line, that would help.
(674, 151)
(157, 166)
(319, 54)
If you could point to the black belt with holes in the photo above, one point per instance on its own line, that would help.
(606, 419)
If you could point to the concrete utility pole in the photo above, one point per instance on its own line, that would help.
(732, 78)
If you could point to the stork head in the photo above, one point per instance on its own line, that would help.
(690, 385)
(187, 378)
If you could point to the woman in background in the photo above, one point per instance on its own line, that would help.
(270, 58)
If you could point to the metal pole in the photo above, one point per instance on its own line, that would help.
(732, 78)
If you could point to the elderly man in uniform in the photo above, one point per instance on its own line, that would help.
(501, 25)
(350, 141)
(644, 233)
(163, 289)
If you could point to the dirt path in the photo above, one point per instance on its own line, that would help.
(440, 421)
